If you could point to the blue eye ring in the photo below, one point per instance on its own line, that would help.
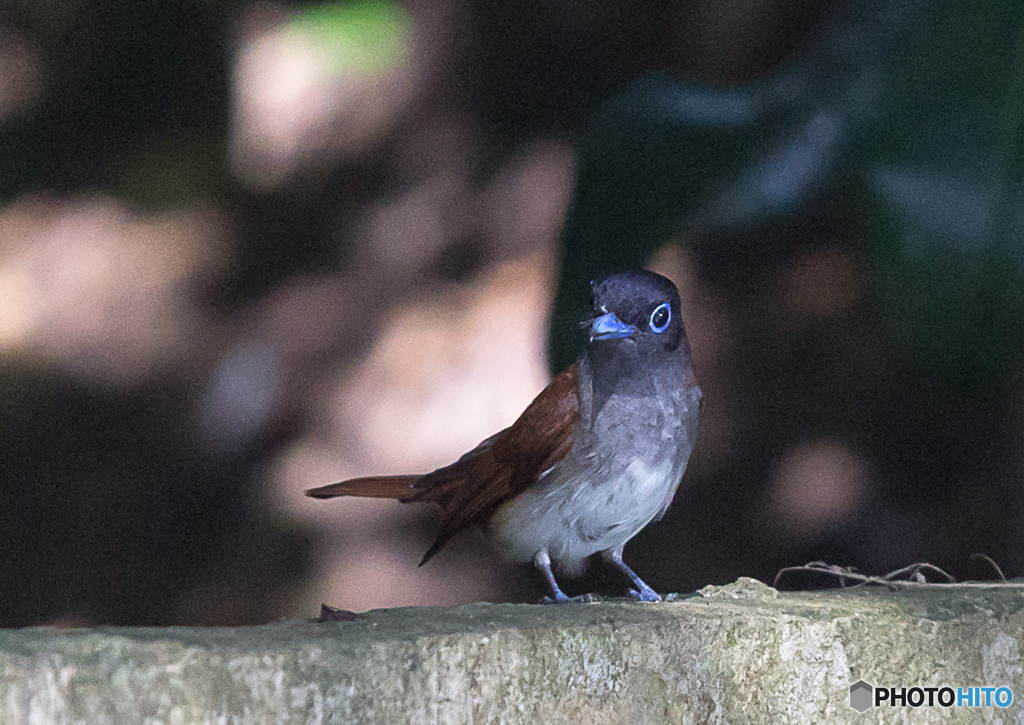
(661, 317)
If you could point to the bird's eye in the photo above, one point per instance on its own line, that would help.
(660, 318)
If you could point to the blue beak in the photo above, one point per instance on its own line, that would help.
(609, 327)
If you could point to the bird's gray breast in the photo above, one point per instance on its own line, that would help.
(637, 444)
(625, 464)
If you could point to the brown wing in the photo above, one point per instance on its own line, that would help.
(473, 487)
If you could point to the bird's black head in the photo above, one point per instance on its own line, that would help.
(637, 309)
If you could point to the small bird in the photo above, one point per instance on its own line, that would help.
(592, 460)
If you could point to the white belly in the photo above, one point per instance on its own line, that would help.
(572, 519)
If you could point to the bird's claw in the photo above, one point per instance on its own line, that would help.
(645, 595)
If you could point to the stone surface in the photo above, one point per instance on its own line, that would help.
(742, 653)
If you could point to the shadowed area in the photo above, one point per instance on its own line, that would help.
(252, 248)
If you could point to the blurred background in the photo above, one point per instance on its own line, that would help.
(249, 248)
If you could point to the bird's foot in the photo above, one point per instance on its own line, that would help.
(581, 599)
(559, 599)
(642, 592)
(646, 594)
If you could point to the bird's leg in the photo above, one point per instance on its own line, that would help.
(642, 592)
(543, 562)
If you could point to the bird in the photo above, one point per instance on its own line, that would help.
(596, 456)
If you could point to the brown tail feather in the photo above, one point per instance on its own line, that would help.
(399, 487)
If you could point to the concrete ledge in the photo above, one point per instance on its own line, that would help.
(740, 653)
